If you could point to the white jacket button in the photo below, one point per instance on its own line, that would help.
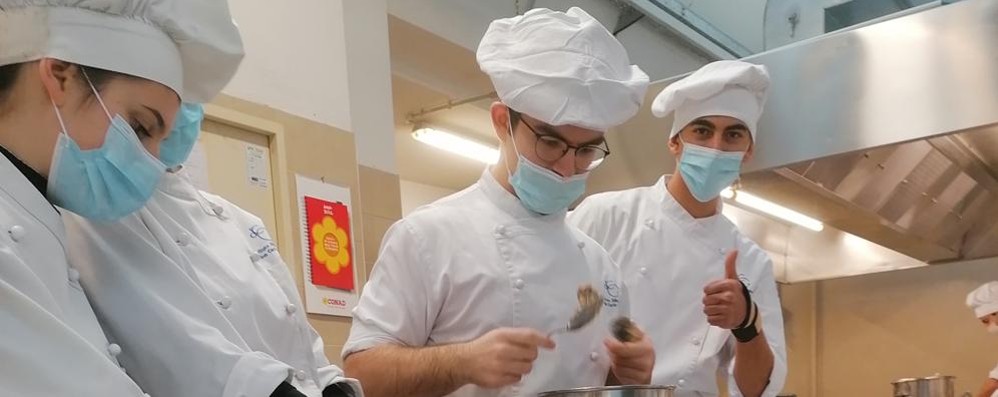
(300, 375)
(650, 223)
(183, 239)
(519, 283)
(582, 244)
(255, 258)
(593, 356)
(74, 275)
(17, 233)
(291, 308)
(225, 302)
(114, 350)
(643, 271)
(696, 341)
(682, 382)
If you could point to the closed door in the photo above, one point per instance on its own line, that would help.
(236, 164)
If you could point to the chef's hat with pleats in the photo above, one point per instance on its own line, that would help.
(191, 46)
(562, 68)
(724, 88)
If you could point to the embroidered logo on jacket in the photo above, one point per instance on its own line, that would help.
(267, 249)
(259, 232)
(611, 293)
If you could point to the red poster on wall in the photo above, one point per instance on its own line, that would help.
(329, 244)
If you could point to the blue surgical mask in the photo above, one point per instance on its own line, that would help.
(541, 190)
(708, 171)
(175, 149)
(106, 183)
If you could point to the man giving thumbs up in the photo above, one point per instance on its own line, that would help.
(700, 289)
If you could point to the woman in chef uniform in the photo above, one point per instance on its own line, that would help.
(984, 302)
(192, 263)
(88, 90)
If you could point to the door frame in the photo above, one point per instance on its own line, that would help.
(274, 132)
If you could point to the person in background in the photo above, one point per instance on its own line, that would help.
(88, 91)
(193, 279)
(466, 291)
(984, 302)
(704, 292)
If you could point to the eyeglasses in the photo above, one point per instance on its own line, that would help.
(551, 148)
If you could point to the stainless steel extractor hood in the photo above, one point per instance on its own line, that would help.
(888, 133)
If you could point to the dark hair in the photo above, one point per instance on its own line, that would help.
(100, 78)
(8, 74)
(514, 117)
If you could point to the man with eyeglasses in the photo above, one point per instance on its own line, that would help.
(703, 291)
(468, 292)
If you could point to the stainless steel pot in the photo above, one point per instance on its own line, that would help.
(614, 391)
(932, 386)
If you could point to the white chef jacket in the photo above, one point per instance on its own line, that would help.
(477, 261)
(199, 284)
(667, 258)
(52, 344)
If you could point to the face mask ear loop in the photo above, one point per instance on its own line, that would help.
(97, 94)
(509, 128)
(58, 116)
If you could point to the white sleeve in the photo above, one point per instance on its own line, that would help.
(397, 306)
(42, 355)
(766, 297)
(328, 374)
(994, 374)
(175, 341)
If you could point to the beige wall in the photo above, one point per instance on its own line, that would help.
(382, 207)
(320, 151)
(853, 336)
(800, 318)
(415, 195)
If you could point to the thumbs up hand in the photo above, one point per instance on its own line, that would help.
(724, 301)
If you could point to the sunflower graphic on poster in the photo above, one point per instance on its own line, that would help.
(329, 244)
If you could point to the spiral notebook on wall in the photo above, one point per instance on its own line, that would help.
(327, 248)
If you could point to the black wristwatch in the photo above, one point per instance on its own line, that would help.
(749, 328)
(338, 390)
(285, 389)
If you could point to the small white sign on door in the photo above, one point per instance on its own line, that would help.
(257, 166)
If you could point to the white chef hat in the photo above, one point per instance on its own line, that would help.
(191, 46)
(723, 88)
(984, 299)
(563, 68)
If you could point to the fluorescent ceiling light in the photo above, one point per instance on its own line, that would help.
(457, 144)
(773, 209)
